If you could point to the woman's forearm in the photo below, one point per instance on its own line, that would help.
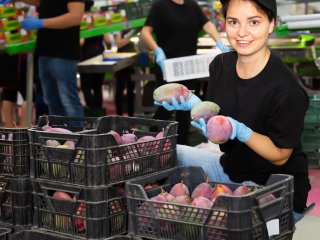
(265, 148)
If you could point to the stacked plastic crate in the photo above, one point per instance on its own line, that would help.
(11, 31)
(266, 212)
(15, 185)
(311, 134)
(78, 175)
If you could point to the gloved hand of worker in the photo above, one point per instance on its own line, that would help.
(240, 131)
(201, 125)
(32, 23)
(184, 105)
(5, 1)
(160, 57)
(222, 46)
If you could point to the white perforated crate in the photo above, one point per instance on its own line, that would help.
(190, 67)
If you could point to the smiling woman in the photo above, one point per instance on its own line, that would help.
(256, 90)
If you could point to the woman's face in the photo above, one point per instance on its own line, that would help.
(247, 28)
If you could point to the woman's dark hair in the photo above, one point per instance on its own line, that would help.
(87, 5)
(260, 8)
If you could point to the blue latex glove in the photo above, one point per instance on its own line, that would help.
(201, 124)
(222, 47)
(185, 105)
(32, 23)
(240, 131)
(5, 1)
(160, 57)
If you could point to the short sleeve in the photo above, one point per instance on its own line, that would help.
(286, 118)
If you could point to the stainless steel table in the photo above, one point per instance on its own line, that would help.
(97, 65)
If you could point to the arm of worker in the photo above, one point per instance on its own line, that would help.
(120, 42)
(82, 40)
(260, 144)
(214, 34)
(146, 36)
(72, 18)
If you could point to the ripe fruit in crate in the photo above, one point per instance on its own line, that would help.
(58, 130)
(166, 92)
(203, 189)
(218, 220)
(183, 200)
(167, 196)
(148, 145)
(116, 136)
(241, 190)
(219, 129)
(6, 208)
(116, 214)
(180, 189)
(80, 224)
(118, 169)
(62, 222)
(202, 202)
(218, 190)
(151, 186)
(164, 157)
(205, 110)
(52, 143)
(194, 215)
(8, 155)
(128, 138)
(165, 210)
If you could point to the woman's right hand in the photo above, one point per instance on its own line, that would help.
(201, 125)
(184, 105)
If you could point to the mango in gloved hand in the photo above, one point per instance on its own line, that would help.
(175, 96)
(219, 129)
(205, 110)
(166, 92)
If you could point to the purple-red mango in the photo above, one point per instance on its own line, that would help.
(166, 92)
(219, 129)
(205, 110)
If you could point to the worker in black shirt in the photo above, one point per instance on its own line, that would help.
(176, 24)
(263, 101)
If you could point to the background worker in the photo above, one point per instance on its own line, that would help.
(91, 83)
(123, 76)
(176, 24)
(257, 92)
(13, 80)
(58, 51)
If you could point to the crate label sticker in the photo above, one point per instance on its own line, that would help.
(273, 227)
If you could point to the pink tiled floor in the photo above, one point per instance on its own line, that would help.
(314, 194)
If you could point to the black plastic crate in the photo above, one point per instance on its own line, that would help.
(5, 233)
(145, 6)
(96, 159)
(231, 217)
(89, 213)
(14, 152)
(37, 234)
(16, 202)
(133, 10)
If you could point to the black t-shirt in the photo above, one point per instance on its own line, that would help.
(60, 43)
(271, 103)
(176, 26)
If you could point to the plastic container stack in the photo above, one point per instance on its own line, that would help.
(78, 188)
(255, 215)
(15, 193)
(311, 134)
